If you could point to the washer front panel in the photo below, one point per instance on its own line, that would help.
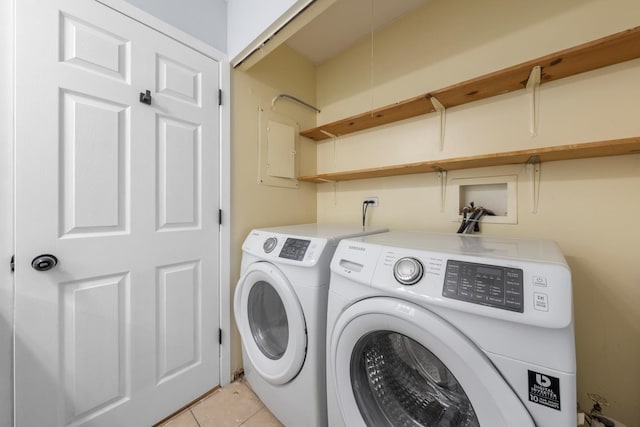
(492, 400)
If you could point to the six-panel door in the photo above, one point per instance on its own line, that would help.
(123, 330)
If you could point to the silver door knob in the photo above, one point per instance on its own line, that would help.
(44, 262)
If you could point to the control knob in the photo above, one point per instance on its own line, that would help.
(408, 271)
(269, 244)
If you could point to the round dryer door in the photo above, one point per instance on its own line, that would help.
(271, 323)
(394, 363)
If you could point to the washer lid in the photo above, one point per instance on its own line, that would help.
(395, 363)
(271, 323)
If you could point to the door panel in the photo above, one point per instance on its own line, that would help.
(94, 49)
(178, 330)
(178, 174)
(94, 154)
(178, 81)
(124, 330)
(90, 305)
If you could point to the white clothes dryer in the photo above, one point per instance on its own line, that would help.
(433, 329)
(280, 306)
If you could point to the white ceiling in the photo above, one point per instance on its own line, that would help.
(345, 23)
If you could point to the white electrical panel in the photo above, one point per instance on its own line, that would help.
(277, 150)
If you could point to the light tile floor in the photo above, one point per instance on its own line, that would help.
(231, 406)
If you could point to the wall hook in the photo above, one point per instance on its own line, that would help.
(145, 97)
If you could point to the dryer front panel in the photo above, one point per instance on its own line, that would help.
(271, 323)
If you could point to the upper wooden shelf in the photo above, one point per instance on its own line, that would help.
(609, 50)
(614, 147)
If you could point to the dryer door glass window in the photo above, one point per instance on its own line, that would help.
(268, 320)
(398, 382)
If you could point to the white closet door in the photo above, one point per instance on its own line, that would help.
(124, 330)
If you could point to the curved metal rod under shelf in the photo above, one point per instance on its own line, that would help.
(293, 98)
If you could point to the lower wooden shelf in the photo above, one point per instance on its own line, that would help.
(616, 147)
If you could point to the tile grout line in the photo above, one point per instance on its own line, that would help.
(194, 417)
(252, 415)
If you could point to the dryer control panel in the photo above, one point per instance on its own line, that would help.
(495, 286)
(294, 249)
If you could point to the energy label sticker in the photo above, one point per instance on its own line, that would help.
(544, 390)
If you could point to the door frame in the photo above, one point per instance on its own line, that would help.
(7, 196)
(7, 37)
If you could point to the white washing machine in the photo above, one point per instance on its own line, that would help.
(280, 308)
(432, 329)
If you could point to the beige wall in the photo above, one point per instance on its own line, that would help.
(255, 205)
(587, 206)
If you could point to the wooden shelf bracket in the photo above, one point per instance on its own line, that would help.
(533, 89)
(442, 117)
(534, 168)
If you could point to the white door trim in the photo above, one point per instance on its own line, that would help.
(6, 210)
(225, 164)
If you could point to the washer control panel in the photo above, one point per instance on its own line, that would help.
(294, 249)
(494, 286)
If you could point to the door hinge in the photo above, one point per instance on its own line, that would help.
(219, 216)
(219, 96)
(219, 336)
(13, 263)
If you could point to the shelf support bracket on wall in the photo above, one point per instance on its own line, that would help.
(334, 138)
(533, 89)
(534, 168)
(441, 174)
(335, 188)
(329, 134)
(442, 118)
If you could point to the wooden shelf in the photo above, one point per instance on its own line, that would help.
(614, 147)
(609, 50)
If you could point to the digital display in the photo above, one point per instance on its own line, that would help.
(294, 249)
(489, 271)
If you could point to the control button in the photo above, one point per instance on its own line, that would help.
(539, 281)
(465, 294)
(495, 300)
(270, 244)
(479, 297)
(540, 301)
(408, 271)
